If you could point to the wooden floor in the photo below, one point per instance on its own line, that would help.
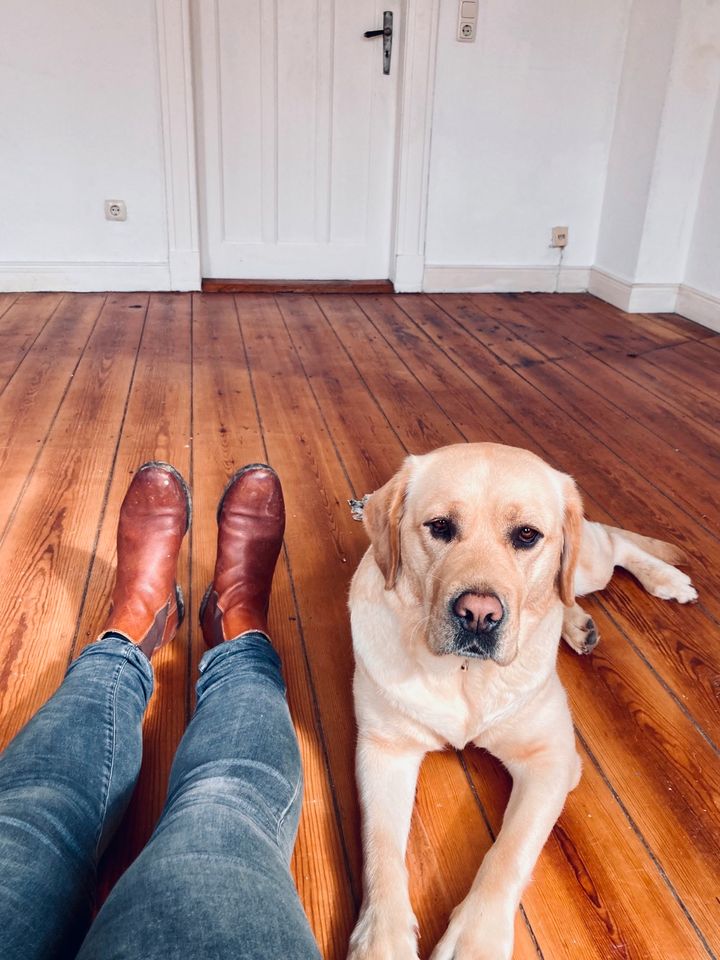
(333, 391)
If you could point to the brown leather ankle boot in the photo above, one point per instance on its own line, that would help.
(147, 604)
(251, 522)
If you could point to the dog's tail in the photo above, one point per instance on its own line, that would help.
(668, 552)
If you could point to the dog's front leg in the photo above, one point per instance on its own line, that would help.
(387, 775)
(544, 765)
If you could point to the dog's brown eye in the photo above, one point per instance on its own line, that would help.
(525, 537)
(441, 528)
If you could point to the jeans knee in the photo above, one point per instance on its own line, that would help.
(243, 794)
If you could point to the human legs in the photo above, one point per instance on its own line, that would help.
(65, 781)
(214, 880)
(67, 777)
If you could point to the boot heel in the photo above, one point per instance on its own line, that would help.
(180, 601)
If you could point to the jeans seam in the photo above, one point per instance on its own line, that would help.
(112, 717)
(283, 815)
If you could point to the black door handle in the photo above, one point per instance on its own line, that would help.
(386, 33)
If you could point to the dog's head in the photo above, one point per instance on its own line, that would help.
(485, 537)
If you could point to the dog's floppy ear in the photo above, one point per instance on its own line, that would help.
(572, 536)
(381, 518)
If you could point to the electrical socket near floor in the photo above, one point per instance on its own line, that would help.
(115, 210)
(559, 237)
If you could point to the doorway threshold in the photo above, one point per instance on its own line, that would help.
(297, 286)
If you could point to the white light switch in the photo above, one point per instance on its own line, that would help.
(467, 21)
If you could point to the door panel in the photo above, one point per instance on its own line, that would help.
(296, 135)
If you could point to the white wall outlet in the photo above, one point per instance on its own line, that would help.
(467, 21)
(115, 210)
(559, 237)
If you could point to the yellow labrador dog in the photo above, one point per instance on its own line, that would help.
(477, 553)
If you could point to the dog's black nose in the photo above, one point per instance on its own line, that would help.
(478, 613)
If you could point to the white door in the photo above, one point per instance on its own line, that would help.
(296, 138)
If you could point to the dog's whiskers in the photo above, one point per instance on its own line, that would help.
(420, 625)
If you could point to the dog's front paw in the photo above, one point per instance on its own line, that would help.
(384, 935)
(477, 934)
(579, 630)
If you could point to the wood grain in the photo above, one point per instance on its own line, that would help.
(20, 324)
(690, 439)
(6, 301)
(31, 399)
(334, 390)
(48, 544)
(691, 363)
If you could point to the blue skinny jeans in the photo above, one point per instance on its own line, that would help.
(213, 880)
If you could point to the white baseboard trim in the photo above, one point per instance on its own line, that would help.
(633, 297)
(440, 278)
(610, 288)
(701, 307)
(85, 277)
(679, 298)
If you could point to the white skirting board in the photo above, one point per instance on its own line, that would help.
(505, 279)
(633, 297)
(178, 274)
(679, 298)
(701, 307)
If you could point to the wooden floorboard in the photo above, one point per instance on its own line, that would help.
(49, 542)
(334, 390)
(22, 322)
(689, 363)
(689, 438)
(31, 399)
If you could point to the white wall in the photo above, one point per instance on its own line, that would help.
(703, 268)
(646, 68)
(660, 177)
(521, 132)
(602, 116)
(593, 115)
(80, 123)
(700, 295)
(687, 120)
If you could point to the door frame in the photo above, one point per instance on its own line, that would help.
(412, 148)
